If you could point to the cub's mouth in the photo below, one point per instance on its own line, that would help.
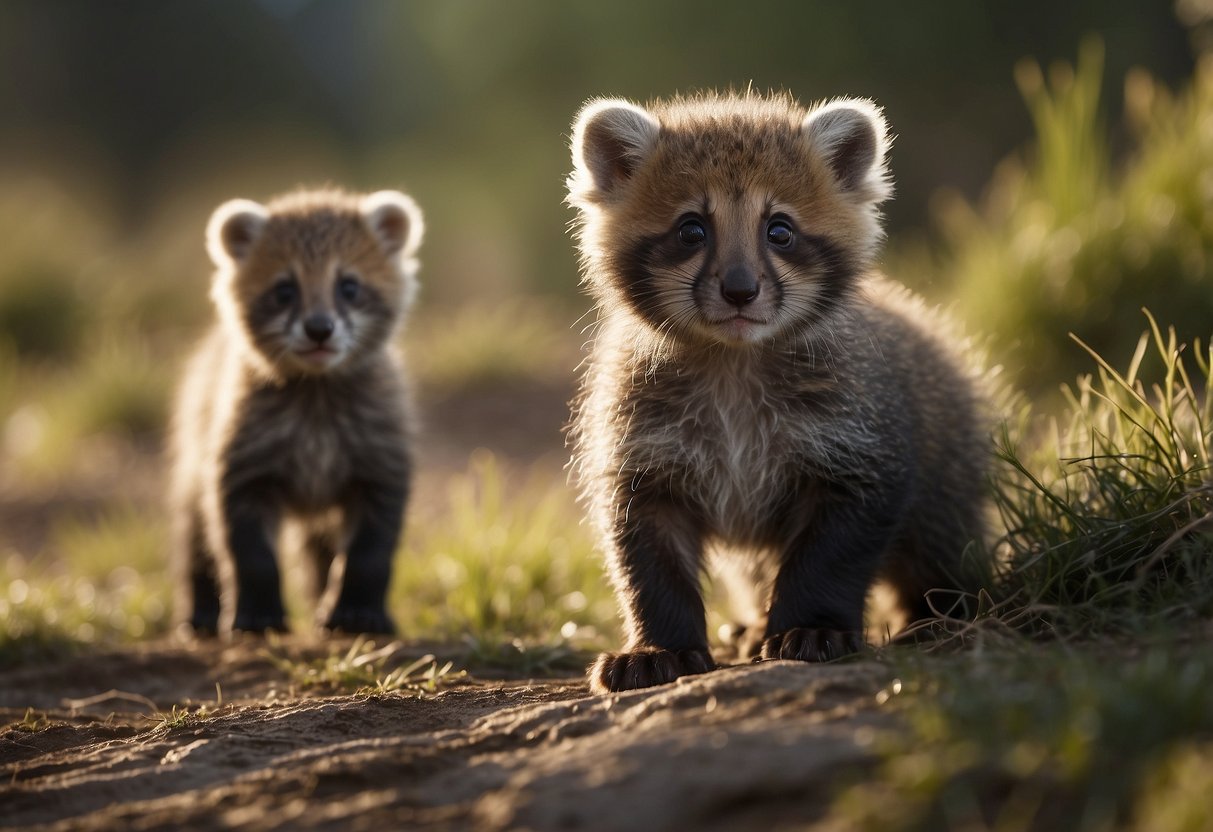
(318, 356)
(739, 328)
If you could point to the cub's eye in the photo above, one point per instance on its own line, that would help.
(692, 233)
(349, 288)
(285, 291)
(779, 234)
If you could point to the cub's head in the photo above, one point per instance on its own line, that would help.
(728, 218)
(317, 279)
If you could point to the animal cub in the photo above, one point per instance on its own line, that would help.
(755, 391)
(294, 408)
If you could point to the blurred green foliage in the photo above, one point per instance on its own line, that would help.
(42, 314)
(506, 559)
(1066, 241)
(167, 108)
(105, 583)
(525, 337)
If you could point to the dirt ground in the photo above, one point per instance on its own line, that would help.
(754, 747)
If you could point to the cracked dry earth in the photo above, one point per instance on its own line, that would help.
(755, 747)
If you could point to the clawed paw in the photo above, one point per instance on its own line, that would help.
(259, 621)
(205, 624)
(360, 620)
(646, 668)
(806, 644)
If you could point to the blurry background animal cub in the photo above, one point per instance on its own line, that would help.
(294, 409)
(755, 391)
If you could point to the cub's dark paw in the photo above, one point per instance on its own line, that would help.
(259, 621)
(646, 668)
(360, 620)
(812, 645)
(205, 624)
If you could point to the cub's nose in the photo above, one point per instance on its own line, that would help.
(739, 286)
(319, 327)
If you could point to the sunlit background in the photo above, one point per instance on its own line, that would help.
(1054, 169)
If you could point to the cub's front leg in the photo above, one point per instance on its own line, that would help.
(375, 518)
(817, 604)
(655, 559)
(248, 522)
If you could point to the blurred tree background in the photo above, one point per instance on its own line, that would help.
(132, 119)
(1053, 161)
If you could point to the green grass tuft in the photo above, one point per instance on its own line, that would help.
(365, 668)
(1109, 514)
(505, 558)
(180, 717)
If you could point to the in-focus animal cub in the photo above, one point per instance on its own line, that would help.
(755, 390)
(294, 408)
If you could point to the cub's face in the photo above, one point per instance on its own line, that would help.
(315, 280)
(731, 219)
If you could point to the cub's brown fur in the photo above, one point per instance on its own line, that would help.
(755, 390)
(294, 408)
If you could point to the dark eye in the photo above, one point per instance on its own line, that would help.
(349, 288)
(692, 233)
(285, 291)
(779, 234)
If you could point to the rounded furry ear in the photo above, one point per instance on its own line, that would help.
(611, 139)
(395, 220)
(851, 134)
(233, 230)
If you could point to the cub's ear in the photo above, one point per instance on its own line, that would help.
(851, 135)
(611, 140)
(233, 230)
(395, 220)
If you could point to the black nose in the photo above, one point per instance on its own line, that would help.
(319, 327)
(739, 286)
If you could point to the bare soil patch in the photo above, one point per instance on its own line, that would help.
(753, 747)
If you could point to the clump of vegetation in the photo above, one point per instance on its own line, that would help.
(180, 716)
(1108, 509)
(1107, 558)
(1066, 241)
(1046, 739)
(365, 668)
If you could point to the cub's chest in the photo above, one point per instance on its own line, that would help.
(733, 448)
(309, 444)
